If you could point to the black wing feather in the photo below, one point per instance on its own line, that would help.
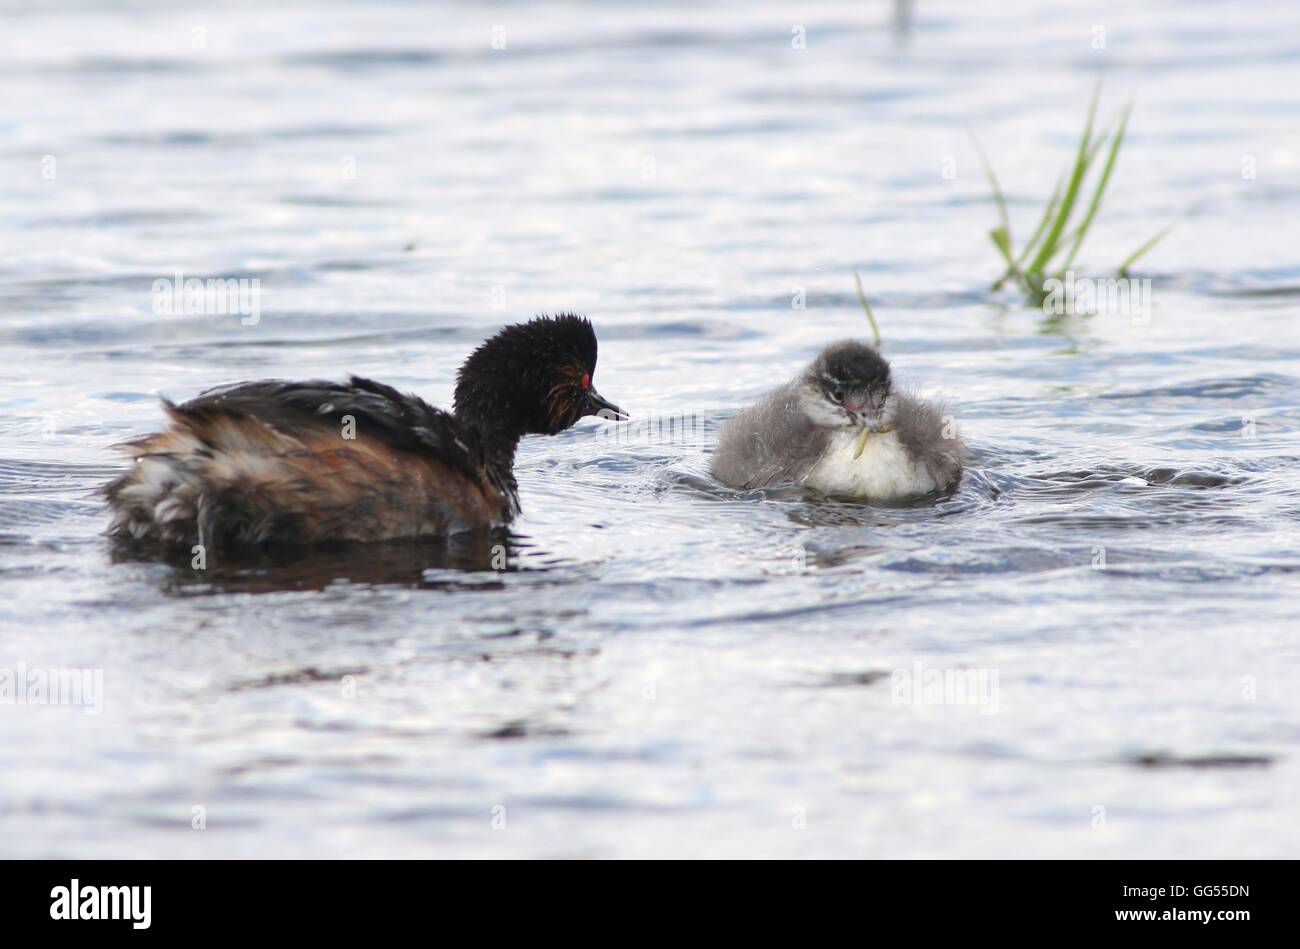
(399, 420)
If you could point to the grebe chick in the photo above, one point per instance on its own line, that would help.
(315, 462)
(844, 429)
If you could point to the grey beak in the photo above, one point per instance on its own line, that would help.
(602, 408)
(876, 421)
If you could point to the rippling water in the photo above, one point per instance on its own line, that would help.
(666, 667)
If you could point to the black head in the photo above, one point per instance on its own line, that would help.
(849, 386)
(533, 378)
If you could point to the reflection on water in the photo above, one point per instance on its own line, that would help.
(425, 563)
(660, 666)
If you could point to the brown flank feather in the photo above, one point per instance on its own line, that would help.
(219, 479)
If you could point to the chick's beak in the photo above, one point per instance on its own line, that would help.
(599, 406)
(866, 416)
(875, 419)
(863, 417)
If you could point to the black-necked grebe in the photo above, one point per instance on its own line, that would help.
(316, 462)
(842, 428)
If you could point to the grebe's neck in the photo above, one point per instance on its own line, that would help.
(499, 449)
(498, 434)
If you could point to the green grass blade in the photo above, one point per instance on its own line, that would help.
(1042, 223)
(1102, 181)
(1131, 259)
(1002, 241)
(1056, 196)
(1015, 267)
(1103, 136)
(866, 308)
(993, 183)
(1050, 241)
(1074, 232)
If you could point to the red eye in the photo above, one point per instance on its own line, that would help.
(586, 380)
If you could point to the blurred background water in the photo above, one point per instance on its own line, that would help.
(666, 668)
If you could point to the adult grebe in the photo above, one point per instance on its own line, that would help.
(314, 462)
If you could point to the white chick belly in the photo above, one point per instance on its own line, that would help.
(884, 471)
